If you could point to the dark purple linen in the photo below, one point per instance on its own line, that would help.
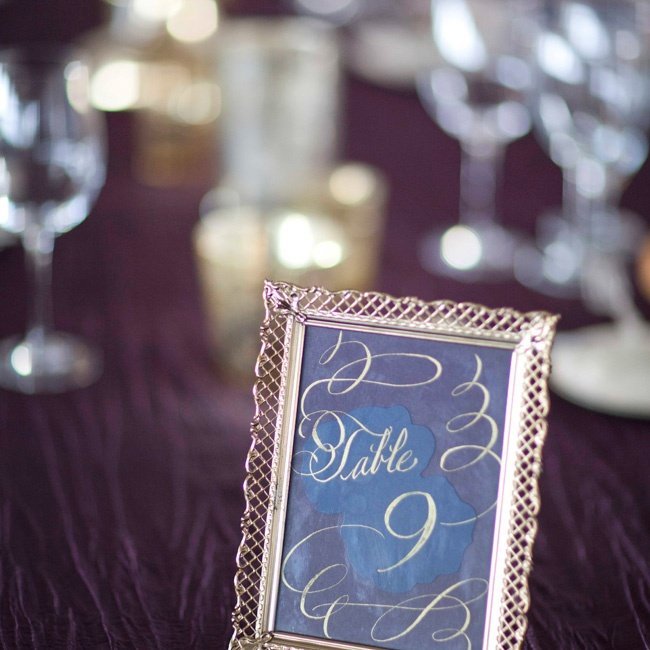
(120, 503)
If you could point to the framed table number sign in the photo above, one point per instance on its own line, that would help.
(391, 489)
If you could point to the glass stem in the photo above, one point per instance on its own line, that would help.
(587, 206)
(569, 196)
(38, 243)
(480, 169)
(606, 288)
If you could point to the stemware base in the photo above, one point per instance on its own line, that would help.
(7, 239)
(57, 363)
(604, 368)
(481, 252)
(553, 264)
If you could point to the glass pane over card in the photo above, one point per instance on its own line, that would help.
(395, 476)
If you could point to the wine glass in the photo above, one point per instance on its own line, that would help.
(51, 170)
(593, 103)
(475, 90)
(591, 106)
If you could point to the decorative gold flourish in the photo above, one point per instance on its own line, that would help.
(322, 597)
(460, 424)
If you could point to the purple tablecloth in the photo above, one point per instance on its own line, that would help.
(120, 503)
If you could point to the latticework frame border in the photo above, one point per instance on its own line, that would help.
(531, 335)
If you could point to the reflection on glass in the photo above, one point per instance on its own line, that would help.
(193, 21)
(299, 242)
(116, 85)
(461, 248)
(336, 11)
(352, 184)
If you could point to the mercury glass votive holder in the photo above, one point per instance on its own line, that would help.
(331, 237)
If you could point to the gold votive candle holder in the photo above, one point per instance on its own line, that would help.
(330, 237)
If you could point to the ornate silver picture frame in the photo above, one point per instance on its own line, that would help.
(391, 490)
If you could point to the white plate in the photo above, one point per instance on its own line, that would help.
(604, 368)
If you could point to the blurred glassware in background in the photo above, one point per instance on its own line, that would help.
(593, 105)
(475, 90)
(328, 237)
(386, 41)
(591, 108)
(156, 57)
(51, 170)
(283, 208)
(280, 106)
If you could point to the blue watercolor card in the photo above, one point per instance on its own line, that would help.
(394, 481)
